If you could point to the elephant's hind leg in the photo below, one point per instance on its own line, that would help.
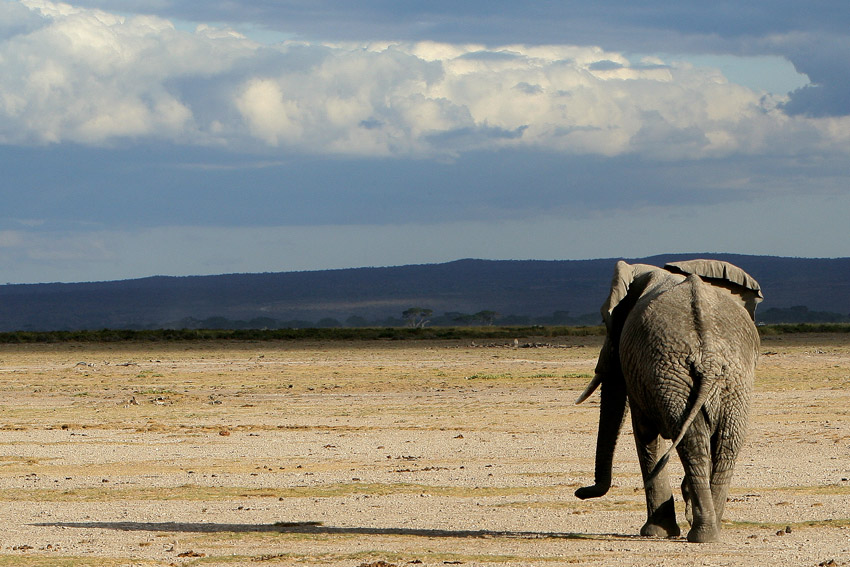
(660, 508)
(695, 454)
(725, 446)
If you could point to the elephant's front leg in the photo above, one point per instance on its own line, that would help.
(660, 508)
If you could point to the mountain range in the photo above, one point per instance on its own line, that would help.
(512, 291)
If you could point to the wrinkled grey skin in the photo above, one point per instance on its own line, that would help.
(682, 350)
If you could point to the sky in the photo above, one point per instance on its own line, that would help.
(175, 137)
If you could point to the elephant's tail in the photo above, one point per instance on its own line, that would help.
(706, 366)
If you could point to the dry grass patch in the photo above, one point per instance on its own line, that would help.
(837, 523)
(804, 362)
(193, 492)
(32, 560)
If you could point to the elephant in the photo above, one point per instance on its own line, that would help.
(680, 353)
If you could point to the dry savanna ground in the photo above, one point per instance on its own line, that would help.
(386, 453)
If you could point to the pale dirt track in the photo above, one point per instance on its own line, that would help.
(406, 453)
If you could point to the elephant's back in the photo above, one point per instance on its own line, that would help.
(663, 338)
(667, 325)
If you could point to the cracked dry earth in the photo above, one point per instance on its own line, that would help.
(386, 453)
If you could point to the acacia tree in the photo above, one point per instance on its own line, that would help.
(417, 317)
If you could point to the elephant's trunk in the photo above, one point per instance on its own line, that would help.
(612, 413)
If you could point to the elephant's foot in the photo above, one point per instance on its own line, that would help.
(652, 529)
(704, 534)
(661, 518)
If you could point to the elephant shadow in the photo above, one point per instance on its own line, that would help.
(318, 528)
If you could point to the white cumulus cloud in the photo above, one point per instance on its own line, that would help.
(270, 116)
(91, 77)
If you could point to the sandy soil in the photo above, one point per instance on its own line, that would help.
(402, 453)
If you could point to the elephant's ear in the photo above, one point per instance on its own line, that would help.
(726, 275)
(621, 283)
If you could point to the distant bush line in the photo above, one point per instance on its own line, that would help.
(314, 333)
(354, 334)
(790, 328)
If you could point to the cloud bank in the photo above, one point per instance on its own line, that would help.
(85, 76)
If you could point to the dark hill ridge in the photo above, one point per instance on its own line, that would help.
(529, 288)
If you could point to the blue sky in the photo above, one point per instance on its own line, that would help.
(183, 138)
